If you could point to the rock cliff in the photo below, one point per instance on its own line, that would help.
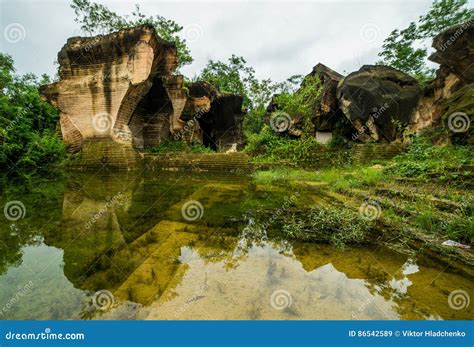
(121, 88)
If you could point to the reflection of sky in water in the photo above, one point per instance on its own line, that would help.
(159, 267)
(244, 291)
(401, 285)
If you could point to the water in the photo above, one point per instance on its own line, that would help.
(118, 246)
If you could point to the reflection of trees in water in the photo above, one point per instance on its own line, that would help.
(43, 213)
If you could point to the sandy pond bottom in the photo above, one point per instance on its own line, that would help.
(120, 247)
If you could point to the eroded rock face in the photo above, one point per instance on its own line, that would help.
(455, 54)
(379, 101)
(327, 112)
(219, 116)
(114, 86)
(455, 50)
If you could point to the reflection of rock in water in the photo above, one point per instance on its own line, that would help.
(141, 249)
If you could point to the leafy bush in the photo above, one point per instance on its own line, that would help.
(301, 103)
(424, 159)
(337, 225)
(270, 147)
(27, 123)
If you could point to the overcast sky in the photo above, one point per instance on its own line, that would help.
(277, 38)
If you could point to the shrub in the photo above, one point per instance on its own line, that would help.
(424, 159)
(337, 225)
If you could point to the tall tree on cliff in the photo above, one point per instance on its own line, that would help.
(407, 49)
(98, 19)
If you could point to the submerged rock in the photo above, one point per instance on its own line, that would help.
(379, 101)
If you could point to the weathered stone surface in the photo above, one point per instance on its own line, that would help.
(107, 81)
(378, 100)
(455, 50)
(326, 112)
(455, 54)
(219, 116)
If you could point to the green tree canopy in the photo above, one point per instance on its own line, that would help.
(236, 76)
(27, 123)
(407, 49)
(98, 19)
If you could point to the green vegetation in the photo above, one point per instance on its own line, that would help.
(337, 225)
(171, 145)
(98, 19)
(424, 160)
(425, 209)
(407, 50)
(27, 123)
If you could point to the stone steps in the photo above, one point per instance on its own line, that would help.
(232, 162)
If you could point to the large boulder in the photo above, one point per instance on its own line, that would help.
(326, 112)
(455, 50)
(379, 101)
(218, 114)
(114, 87)
(455, 54)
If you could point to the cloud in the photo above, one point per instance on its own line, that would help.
(278, 38)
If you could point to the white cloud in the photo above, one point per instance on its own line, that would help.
(278, 38)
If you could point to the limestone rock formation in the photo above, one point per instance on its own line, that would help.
(455, 54)
(108, 84)
(455, 50)
(327, 117)
(326, 112)
(378, 100)
(120, 88)
(219, 116)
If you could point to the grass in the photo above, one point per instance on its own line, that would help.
(335, 224)
(339, 179)
(444, 211)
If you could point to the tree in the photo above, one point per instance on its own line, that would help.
(27, 123)
(407, 49)
(98, 19)
(236, 76)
